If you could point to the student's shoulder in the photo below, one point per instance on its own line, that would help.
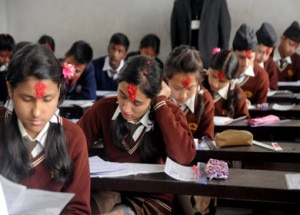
(105, 104)
(259, 71)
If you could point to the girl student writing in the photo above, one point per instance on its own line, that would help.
(38, 148)
(229, 98)
(140, 125)
(183, 69)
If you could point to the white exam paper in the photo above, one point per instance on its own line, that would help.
(23, 201)
(293, 180)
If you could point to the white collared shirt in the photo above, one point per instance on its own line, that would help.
(108, 69)
(277, 57)
(40, 138)
(249, 72)
(145, 122)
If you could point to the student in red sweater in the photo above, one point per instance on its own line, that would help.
(183, 69)
(38, 148)
(229, 98)
(252, 78)
(140, 125)
(266, 38)
(285, 55)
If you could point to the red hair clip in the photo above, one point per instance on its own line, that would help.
(145, 72)
(248, 53)
(40, 89)
(132, 91)
(68, 70)
(186, 82)
(221, 75)
(148, 62)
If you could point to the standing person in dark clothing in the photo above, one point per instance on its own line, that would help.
(204, 24)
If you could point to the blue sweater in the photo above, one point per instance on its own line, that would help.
(103, 81)
(85, 86)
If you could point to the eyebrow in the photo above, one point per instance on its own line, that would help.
(137, 101)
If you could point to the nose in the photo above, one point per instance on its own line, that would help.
(183, 94)
(36, 109)
(127, 107)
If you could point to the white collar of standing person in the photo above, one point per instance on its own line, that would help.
(3, 67)
(277, 57)
(107, 67)
(261, 64)
(144, 121)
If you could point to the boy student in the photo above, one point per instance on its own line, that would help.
(149, 47)
(267, 37)
(108, 67)
(82, 85)
(288, 61)
(251, 77)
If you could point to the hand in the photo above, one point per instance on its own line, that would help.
(165, 90)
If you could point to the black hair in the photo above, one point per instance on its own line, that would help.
(120, 39)
(46, 39)
(81, 51)
(7, 42)
(151, 40)
(227, 61)
(18, 46)
(145, 73)
(38, 61)
(184, 59)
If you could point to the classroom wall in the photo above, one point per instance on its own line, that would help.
(96, 20)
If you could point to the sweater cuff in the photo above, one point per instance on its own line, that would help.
(160, 101)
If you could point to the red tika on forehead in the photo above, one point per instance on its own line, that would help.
(186, 82)
(221, 75)
(248, 53)
(131, 91)
(118, 46)
(8, 53)
(268, 50)
(40, 89)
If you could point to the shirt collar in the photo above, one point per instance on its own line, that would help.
(277, 57)
(107, 67)
(223, 92)
(190, 104)
(145, 121)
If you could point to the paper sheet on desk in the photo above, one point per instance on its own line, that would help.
(283, 107)
(101, 168)
(79, 103)
(293, 180)
(20, 200)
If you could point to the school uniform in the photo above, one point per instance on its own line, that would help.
(79, 182)
(288, 68)
(85, 87)
(220, 100)
(255, 84)
(178, 145)
(199, 112)
(271, 68)
(214, 30)
(106, 77)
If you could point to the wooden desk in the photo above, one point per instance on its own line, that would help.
(288, 114)
(242, 184)
(284, 98)
(287, 131)
(293, 86)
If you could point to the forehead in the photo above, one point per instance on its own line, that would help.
(178, 77)
(29, 85)
(123, 86)
(117, 47)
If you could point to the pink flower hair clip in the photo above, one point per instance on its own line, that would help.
(132, 91)
(216, 50)
(68, 71)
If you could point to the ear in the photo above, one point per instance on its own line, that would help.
(9, 89)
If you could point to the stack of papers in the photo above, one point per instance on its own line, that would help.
(22, 201)
(222, 120)
(101, 169)
(283, 107)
